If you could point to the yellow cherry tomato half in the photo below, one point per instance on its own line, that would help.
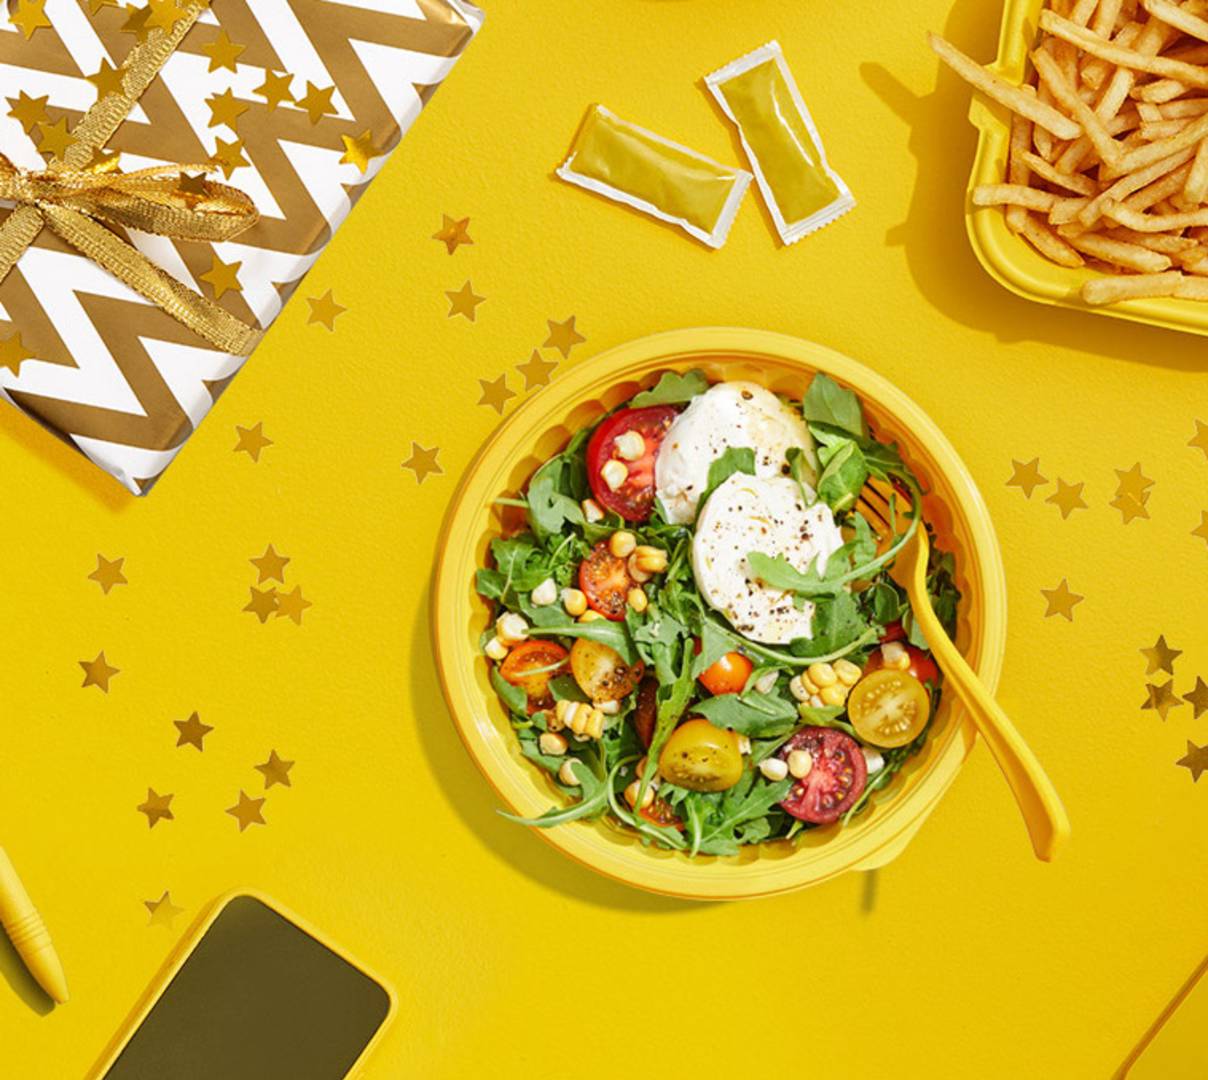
(601, 673)
(888, 708)
(701, 757)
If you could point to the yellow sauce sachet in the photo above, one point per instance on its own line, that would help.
(631, 165)
(801, 190)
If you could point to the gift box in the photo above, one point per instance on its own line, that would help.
(169, 173)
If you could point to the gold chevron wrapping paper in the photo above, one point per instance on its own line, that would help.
(295, 102)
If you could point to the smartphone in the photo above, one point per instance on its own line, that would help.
(252, 994)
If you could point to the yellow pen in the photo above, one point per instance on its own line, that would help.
(28, 932)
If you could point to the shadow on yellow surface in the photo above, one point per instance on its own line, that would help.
(20, 980)
(933, 237)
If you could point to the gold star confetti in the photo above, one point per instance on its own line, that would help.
(226, 109)
(55, 139)
(275, 89)
(223, 277)
(1067, 498)
(423, 462)
(192, 187)
(103, 161)
(163, 911)
(1201, 530)
(1195, 760)
(1129, 508)
(94, 6)
(28, 111)
(136, 22)
(157, 808)
(1199, 440)
(464, 301)
(13, 353)
(324, 310)
(107, 80)
(1134, 483)
(316, 102)
(1027, 476)
(223, 52)
(275, 770)
(1198, 698)
(360, 151)
(252, 440)
(262, 604)
(1161, 698)
(165, 14)
(98, 672)
(229, 156)
(270, 566)
(453, 233)
(1161, 657)
(192, 731)
(495, 393)
(108, 574)
(292, 604)
(247, 811)
(563, 336)
(30, 17)
(1061, 601)
(536, 371)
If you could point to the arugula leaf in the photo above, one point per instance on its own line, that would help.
(826, 402)
(613, 634)
(673, 698)
(714, 644)
(592, 802)
(663, 633)
(512, 696)
(744, 802)
(837, 622)
(551, 500)
(672, 389)
(855, 559)
(844, 470)
(736, 459)
(804, 469)
(753, 714)
(564, 688)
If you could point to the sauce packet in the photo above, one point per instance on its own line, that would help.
(631, 165)
(758, 93)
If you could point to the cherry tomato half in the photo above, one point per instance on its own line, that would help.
(922, 667)
(835, 782)
(702, 757)
(646, 712)
(601, 673)
(635, 497)
(659, 812)
(530, 666)
(729, 675)
(888, 708)
(605, 582)
(894, 631)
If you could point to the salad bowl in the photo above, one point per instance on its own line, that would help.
(541, 427)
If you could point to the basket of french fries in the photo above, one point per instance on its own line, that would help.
(1093, 189)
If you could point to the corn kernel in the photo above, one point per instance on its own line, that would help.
(849, 673)
(637, 599)
(561, 717)
(744, 744)
(590, 615)
(511, 628)
(834, 695)
(566, 773)
(621, 543)
(650, 560)
(545, 593)
(630, 445)
(496, 649)
(609, 708)
(552, 744)
(774, 769)
(766, 683)
(895, 656)
(614, 474)
(631, 795)
(800, 764)
(635, 571)
(801, 687)
(574, 601)
(822, 675)
(874, 759)
(592, 511)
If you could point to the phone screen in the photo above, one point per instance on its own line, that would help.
(258, 998)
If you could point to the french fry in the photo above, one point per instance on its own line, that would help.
(1159, 190)
(1018, 171)
(1175, 16)
(1196, 188)
(1083, 185)
(1052, 76)
(1014, 195)
(1133, 219)
(1133, 181)
(1161, 129)
(1163, 242)
(1110, 290)
(1066, 211)
(1106, 13)
(1002, 91)
(1049, 244)
(1159, 92)
(1129, 256)
(1192, 289)
(1156, 151)
(1090, 42)
(1185, 107)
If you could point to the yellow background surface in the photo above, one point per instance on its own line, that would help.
(964, 957)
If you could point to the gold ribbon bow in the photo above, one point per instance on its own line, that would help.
(73, 199)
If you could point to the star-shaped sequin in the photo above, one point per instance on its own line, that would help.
(247, 811)
(453, 232)
(1161, 657)
(252, 440)
(157, 808)
(275, 770)
(495, 393)
(1067, 498)
(536, 371)
(1026, 476)
(563, 336)
(263, 603)
(108, 573)
(1133, 483)
(228, 156)
(165, 14)
(226, 109)
(1130, 509)
(1195, 760)
(192, 732)
(360, 151)
(464, 302)
(107, 80)
(1161, 699)
(275, 89)
(13, 353)
(136, 22)
(316, 102)
(28, 111)
(291, 605)
(56, 140)
(163, 911)
(423, 462)
(30, 17)
(222, 277)
(1198, 698)
(324, 310)
(223, 52)
(98, 672)
(1061, 601)
(1199, 440)
(1201, 530)
(270, 566)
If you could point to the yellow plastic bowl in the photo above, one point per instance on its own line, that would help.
(1010, 259)
(540, 428)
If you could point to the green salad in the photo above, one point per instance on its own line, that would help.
(695, 631)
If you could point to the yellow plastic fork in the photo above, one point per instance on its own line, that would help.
(1043, 813)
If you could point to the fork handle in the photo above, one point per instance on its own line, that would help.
(1045, 816)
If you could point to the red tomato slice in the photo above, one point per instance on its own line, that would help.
(659, 812)
(634, 499)
(922, 667)
(835, 782)
(646, 712)
(530, 666)
(605, 581)
(894, 632)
